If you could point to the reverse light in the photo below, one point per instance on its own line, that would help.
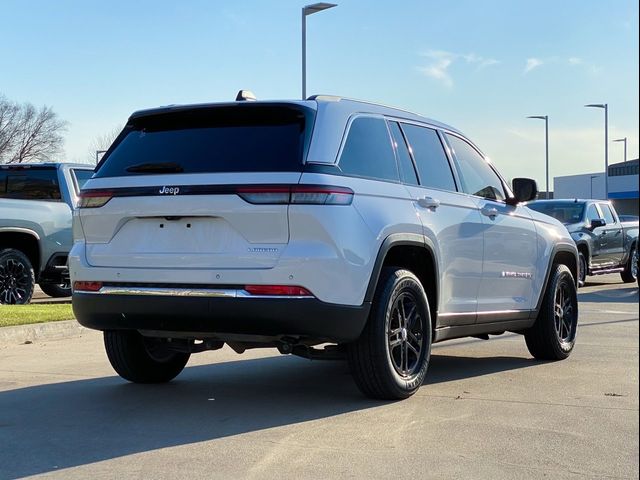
(296, 195)
(84, 286)
(94, 198)
(278, 290)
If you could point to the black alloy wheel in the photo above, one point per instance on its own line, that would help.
(16, 278)
(405, 335)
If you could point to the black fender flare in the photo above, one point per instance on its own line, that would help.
(562, 248)
(399, 239)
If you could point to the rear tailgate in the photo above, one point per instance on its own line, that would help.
(177, 189)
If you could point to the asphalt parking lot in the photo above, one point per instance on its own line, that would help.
(488, 410)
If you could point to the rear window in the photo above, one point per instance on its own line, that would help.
(81, 176)
(566, 213)
(30, 184)
(239, 138)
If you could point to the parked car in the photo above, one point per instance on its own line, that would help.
(606, 243)
(36, 201)
(298, 223)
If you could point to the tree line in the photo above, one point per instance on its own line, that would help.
(29, 133)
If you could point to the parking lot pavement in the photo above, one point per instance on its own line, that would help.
(487, 411)
(40, 297)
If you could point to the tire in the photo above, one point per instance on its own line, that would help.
(141, 360)
(17, 278)
(630, 272)
(553, 335)
(56, 290)
(390, 359)
(582, 269)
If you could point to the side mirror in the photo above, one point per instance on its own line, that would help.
(598, 222)
(524, 189)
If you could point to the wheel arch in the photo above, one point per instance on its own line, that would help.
(415, 253)
(25, 240)
(561, 254)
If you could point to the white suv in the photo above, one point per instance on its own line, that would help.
(299, 223)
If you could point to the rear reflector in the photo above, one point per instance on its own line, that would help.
(81, 286)
(94, 198)
(297, 194)
(276, 290)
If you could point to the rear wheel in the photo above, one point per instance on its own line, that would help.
(630, 272)
(140, 359)
(390, 359)
(56, 290)
(553, 335)
(17, 279)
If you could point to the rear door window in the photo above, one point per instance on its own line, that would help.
(407, 170)
(368, 152)
(81, 176)
(247, 138)
(606, 212)
(31, 184)
(432, 162)
(478, 178)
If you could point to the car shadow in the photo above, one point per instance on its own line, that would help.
(61, 425)
(628, 294)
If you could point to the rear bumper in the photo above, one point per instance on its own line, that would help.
(204, 317)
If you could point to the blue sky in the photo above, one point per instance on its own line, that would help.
(482, 66)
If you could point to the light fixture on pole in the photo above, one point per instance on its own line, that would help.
(546, 143)
(309, 10)
(605, 106)
(624, 139)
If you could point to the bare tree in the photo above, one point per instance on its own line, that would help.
(28, 133)
(101, 144)
(9, 113)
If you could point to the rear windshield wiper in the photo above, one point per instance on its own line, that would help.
(161, 167)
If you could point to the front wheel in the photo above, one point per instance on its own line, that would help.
(140, 359)
(630, 272)
(389, 361)
(553, 335)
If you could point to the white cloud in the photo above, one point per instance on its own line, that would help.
(575, 61)
(532, 63)
(441, 60)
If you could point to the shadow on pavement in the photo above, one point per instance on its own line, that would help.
(50, 427)
(627, 294)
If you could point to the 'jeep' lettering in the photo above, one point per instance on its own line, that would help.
(169, 190)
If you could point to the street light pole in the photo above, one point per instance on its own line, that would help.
(605, 106)
(309, 10)
(546, 143)
(625, 146)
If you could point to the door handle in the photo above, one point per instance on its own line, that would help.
(428, 202)
(490, 212)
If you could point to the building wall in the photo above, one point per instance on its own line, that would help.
(588, 185)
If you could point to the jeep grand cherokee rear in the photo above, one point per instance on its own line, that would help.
(294, 224)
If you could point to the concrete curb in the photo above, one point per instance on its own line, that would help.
(37, 332)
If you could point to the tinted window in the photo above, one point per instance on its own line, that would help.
(3, 183)
(592, 213)
(368, 152)
(431, 160)
(606, 211)
(31, 184)
(565, 212)
(407, 170)
(220, 139)
(81, 177)
(478, 178)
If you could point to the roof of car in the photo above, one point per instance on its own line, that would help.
(317, 102)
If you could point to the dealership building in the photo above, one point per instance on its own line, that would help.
(623, 186)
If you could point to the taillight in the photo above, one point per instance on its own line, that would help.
(296, 194)
(83, 286)
(278, 290)
(94, 198)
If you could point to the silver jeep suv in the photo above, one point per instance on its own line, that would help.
(299, 223)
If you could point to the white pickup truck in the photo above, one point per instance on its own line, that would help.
(36, 201)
